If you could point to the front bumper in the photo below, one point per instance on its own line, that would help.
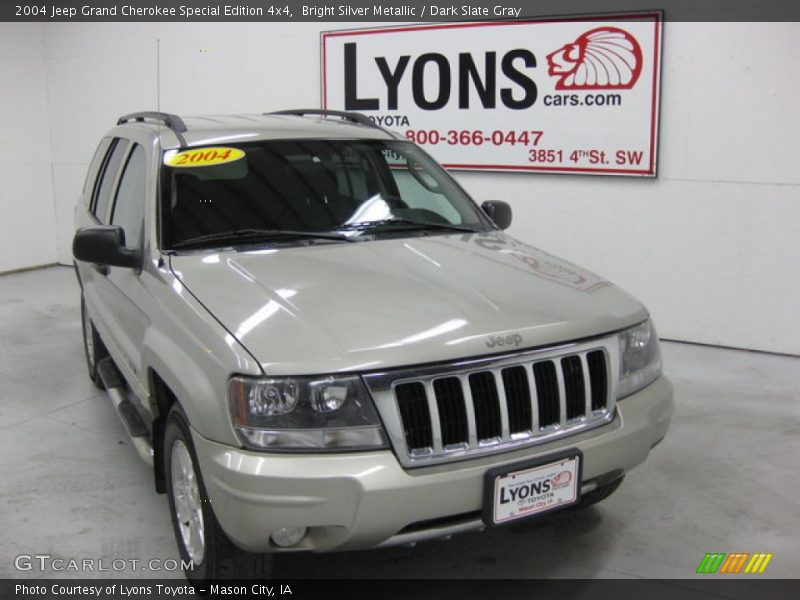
(366, 499)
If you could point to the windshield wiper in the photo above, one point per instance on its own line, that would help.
(248, 235)
(408, 223)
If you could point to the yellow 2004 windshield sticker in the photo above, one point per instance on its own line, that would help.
(203, 157)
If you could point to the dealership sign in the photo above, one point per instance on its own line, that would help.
(561, 95)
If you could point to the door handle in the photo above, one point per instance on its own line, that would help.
(102, 269)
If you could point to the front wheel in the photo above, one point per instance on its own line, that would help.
(205, 550)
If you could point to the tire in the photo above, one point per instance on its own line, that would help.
(199, 537)
(93, 347)
(600, 493)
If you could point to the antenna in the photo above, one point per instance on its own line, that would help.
(158, 74)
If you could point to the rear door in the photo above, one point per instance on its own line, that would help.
(124, 292)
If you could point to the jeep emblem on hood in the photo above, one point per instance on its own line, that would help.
(513, 339)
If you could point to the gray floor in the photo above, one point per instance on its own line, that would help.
(724, 480)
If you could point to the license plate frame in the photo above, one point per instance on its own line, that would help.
(530, 472)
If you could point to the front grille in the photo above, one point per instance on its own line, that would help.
(518, 395)
(452, 412)
(413, 404)
(597, 378)
(574, 390)
(544, 373)
(486, 402)
(495, 404)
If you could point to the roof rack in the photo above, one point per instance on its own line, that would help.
(342, 114)
(174, 122)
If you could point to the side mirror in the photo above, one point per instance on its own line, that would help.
(104, 245)
(499, 212)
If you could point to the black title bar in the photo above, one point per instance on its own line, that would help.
(370, 11)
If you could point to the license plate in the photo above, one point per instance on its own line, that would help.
(532, 488)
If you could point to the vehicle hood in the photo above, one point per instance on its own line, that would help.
(384, 303)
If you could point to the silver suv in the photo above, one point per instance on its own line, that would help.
(320, 342)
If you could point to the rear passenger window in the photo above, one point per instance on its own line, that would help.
(110, 170)
(130, 201)
(94, 167)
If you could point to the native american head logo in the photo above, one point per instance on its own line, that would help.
(562, 479)
(603, 58)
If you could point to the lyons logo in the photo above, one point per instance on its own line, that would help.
(606, 58)
(736, 562)
(562, 479)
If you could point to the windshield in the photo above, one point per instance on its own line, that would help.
(305, 189)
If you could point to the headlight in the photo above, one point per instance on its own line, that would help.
(304, 413)
(639, 358)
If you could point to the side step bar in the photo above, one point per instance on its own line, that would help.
(115, 388)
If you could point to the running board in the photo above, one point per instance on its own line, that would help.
(126, 411)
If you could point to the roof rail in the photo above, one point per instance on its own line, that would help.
(342, 114)
(174, 122)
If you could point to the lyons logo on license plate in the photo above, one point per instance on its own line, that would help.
(531, 490)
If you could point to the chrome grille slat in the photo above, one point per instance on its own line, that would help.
(562, 395)
(473, 438)
(436, 424)
(505, 432)
(587, 386)
(493, 406)
(534, 402)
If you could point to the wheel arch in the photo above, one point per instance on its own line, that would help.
(162, 400)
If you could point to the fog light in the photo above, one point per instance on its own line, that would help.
(286, 537)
